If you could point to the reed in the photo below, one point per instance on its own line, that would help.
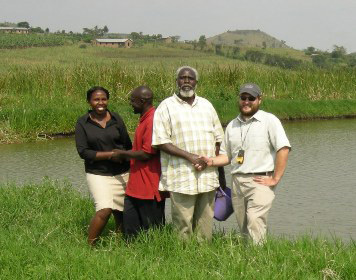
(47, 96)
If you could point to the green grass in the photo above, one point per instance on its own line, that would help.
(43, 236)
(145, 56)
(42, 90)
(10, 41)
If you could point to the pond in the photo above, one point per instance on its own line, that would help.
(317, 194)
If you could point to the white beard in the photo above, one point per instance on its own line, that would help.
(188, 93)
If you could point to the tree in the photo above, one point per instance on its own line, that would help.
(351, 60)
(218, 49)
(309, 50)
(95, 32)
(320, 60)
(47, 30)
(105, 29)
(202, 42)
(238, 42)
(37, 30)
(255, 56)
(135, 35)
(264, 45)
(23, 24)
(235, 51)
(175, 39)
(7, 24)
(338, 52)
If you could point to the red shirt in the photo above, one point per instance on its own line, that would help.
(144, 175)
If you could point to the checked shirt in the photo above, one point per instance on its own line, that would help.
(193, 128)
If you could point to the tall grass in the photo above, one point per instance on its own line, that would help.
(48, 98)
(43, 236)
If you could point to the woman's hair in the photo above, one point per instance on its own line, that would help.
(97, 88)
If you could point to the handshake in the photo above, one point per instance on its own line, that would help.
(201, 162)
(117, 156)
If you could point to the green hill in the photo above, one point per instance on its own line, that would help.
(246, 38)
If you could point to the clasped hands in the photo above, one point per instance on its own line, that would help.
(117, 156)
(201, 162)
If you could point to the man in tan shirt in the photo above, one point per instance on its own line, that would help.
(257, 147)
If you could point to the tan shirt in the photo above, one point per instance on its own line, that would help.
(193, 128)
(260, 137)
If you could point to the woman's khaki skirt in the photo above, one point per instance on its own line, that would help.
(108, 191)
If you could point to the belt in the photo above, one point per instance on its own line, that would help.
(267, 173)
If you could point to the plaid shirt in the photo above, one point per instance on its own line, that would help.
(193, 128)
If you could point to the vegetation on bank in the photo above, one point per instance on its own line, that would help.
(43, 231)
(42, 90)
(12, 41)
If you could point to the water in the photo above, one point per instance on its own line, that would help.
(316, 195)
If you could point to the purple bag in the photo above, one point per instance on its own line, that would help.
(223, 204)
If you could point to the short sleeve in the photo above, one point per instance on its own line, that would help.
(225, 148)
(162, 131)
(147, 138)
(218, 130)
(277, 134)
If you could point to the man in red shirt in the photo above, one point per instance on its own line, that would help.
(143, 205)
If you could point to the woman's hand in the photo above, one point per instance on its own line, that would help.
(116, 156)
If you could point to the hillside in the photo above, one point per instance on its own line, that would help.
(246, 38)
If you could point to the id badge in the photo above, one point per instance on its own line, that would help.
(240, 157)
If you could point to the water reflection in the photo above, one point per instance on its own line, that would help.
(30, 162)
(317, 193)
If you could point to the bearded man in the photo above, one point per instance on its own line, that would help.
(184, 127)
(256, 146)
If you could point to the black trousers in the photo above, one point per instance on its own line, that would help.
(142, 214)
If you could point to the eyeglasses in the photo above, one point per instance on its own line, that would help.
(249, 98)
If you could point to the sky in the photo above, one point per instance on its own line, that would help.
(303, 23)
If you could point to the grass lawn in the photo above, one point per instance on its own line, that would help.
(43, 236)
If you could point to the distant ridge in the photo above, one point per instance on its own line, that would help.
(246, 38)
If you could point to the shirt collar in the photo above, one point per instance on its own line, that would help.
(257, 116)
(111, 114)
(147, 114)
(181, 101)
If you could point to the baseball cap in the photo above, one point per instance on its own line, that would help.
(250, 88)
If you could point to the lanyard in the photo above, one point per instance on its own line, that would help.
(243, 141)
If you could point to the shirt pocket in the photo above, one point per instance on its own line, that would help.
(258, 142)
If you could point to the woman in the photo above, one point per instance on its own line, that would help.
(97, 135)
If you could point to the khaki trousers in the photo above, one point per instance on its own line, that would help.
(193, 213)
(251, 202)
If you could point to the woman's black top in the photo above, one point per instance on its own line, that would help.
(90, 137)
